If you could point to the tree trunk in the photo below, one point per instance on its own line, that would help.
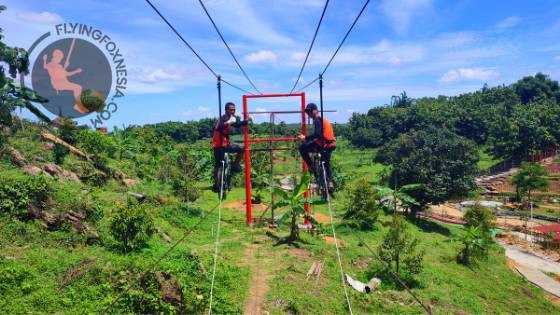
(294, 231)
(397, 263)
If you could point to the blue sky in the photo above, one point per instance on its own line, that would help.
(425, 47)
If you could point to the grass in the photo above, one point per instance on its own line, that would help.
(485, 160)
(446, 285)
(35, 261)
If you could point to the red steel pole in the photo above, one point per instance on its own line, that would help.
(247, 165)
(304, 166)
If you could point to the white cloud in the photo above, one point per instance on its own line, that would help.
(350, 110)
(557, 58)
(261, 57)
(466, 74)
(260, 109)
(39, 18)
(508, 22)
(401, 12)
(247, 20)
(456, 39)
(297, 57)
(203, 109)
(187, 113)
(151, 75)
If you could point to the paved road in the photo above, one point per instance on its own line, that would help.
(533, 268)
(530, 260)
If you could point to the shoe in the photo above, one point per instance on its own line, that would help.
(330, 187)
(215, 188)
(236, 168)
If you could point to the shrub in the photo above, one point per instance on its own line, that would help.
(131, 227)
(60, 152)
(399, 247)
(13, 277)
(479, 216)
(338, 177)
(91, 175)
(17, 194)
(95, 143)
(363, 205)
(186, 189)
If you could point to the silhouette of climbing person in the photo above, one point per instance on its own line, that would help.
(59, 78)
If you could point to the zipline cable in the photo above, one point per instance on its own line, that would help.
(227, 46)
(192, 49)
(310, 46)
(217, 237)
(236, 87)
(346, 36)
(182, 39)
(308, 85)
(336, 241)
(185, 235)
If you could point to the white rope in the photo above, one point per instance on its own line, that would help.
(335, 240)
(217, 237)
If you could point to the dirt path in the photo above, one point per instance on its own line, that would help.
(260, 274)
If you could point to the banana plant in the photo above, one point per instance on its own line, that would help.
(296, 202)
(397, 196)
(475, 245)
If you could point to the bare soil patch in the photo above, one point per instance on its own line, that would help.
(330, 240)
(321, 218)
(299, 252)
(241, 206)
(447, 210)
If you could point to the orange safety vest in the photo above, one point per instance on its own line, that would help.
(220, 139)
(328, 139)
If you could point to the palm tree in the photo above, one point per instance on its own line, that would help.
(528, 178)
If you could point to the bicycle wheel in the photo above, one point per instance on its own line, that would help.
(224, 181)
(319, 177)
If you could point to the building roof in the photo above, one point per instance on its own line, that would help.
(547, 228)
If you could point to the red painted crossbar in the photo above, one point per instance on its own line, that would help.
(271, 139)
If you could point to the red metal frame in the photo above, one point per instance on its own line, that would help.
(249, 205)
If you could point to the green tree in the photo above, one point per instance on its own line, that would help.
(538, 86)
(399, 248)
(480, 217)
(401, 100)
(363, 205)
(444, 163)
(296, 203)
(530, 177)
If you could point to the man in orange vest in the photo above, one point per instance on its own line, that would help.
(321, 140)
(221, 143)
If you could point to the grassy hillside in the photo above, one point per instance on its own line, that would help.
(59, 270)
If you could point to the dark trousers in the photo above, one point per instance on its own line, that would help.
(219, 153)
(309, 147)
